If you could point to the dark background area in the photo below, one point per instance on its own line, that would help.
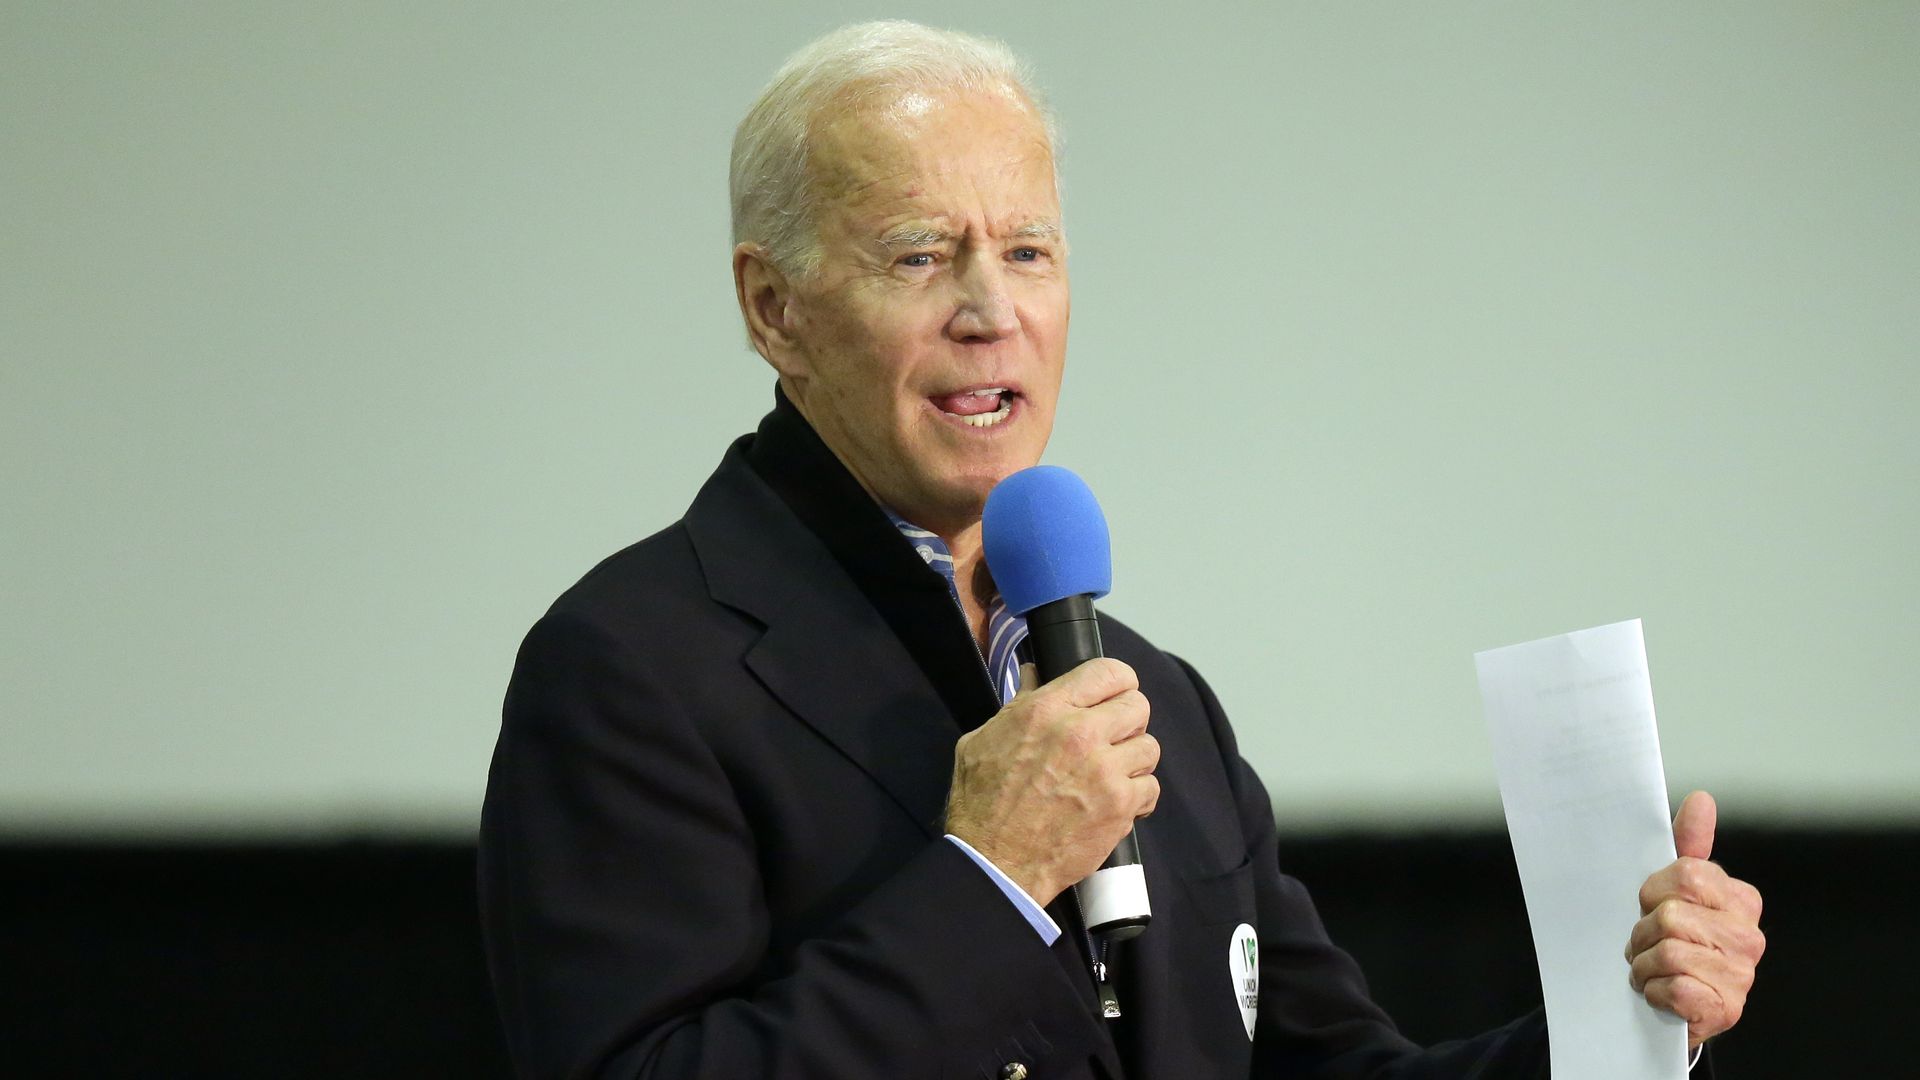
(363, 958)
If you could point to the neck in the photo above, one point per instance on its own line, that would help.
(969, 577)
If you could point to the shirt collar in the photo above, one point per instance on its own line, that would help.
(1005, 630)
(927, 544)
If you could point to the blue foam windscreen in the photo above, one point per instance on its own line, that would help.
(1046, 539)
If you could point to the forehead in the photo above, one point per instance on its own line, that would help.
(917, 152)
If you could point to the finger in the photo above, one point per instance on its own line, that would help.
(1671, 918)
(1693, 826)
(1029, 678)
(1147, 789)
(1121, 717)
(1706, 1011)
(1724, 931)
(1675, 957)
(1746, 900)
(1097, 680)
(1137, 756)
(1696, 881)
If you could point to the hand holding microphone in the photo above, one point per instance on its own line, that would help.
(1049, 788)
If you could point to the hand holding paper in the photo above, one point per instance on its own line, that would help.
(1585, 794)
(1694, 950)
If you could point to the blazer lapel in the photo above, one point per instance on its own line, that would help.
(826, 654)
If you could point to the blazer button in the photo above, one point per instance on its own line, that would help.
(1013, 1070)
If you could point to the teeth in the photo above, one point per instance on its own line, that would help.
(992, 418)
(989, 392)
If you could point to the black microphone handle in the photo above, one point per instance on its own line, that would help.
(1063, 635)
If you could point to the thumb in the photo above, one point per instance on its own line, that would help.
(1029, 677)
(1693, 826)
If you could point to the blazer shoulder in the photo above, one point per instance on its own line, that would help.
(655, 582)
(1162, 669)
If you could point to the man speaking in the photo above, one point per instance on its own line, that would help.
(772, 796)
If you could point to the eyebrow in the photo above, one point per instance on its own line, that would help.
(1038, 230)
(915, 236)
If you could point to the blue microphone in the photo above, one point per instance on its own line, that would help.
(1047, 546)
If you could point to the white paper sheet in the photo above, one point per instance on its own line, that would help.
(1578, 756)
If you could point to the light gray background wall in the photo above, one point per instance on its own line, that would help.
(339, 338)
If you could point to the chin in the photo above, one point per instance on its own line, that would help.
(953, 486)
(943, 502)
(967, 499)
(965, 493)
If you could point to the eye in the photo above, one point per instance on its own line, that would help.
(918, 259)
(1025, 254)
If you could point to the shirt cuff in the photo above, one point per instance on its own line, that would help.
(1035, 915)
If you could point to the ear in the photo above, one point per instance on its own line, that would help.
(766, 303)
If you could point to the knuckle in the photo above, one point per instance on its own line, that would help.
(1024, 712)
(1668, 953)
(1048, 703)
(1643, 931)
(1693, 1000)
(1671, 914)
(1685, 873)
(1646, 967)
(1696, 875)
(1077, 739)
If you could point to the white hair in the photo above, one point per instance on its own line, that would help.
(769, 181)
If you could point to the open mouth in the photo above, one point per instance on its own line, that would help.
(982, 408)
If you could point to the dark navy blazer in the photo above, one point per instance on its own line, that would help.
(712, 847)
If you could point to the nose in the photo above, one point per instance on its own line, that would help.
(986, 313)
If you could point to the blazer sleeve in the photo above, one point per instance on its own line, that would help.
(625, 922)
(1316, 1019)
